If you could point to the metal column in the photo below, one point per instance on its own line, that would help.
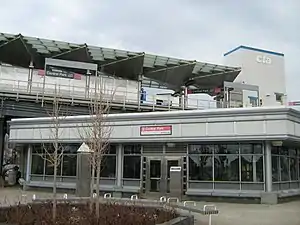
(119, 165)
(2, 134)
(140, 79)
(268, 166)
(30, 74)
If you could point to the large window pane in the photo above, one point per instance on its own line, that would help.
(252, 168)
(132, 167)
(284, 168)
(132, 149)
(70, 148)
(227, 149)
(201, 149)
(108, 166)
(293, 168)
(49, 170)
(69, 165)
(251, 149)
(37, 165)
(226, 167)
(275, 168)
(201, 167)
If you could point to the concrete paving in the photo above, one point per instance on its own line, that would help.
(230, 213)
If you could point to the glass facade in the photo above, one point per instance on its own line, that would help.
(233, 166)
(285, 168)
(132, 162)
(42, 162)
(210, 166)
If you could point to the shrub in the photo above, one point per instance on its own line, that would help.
(80, 214)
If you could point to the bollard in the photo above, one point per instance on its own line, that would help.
(210, 216)
(107, 195)
(134, 197)
(163, 199)
(176, 200)
(65, 196)
(33, 197)
(94, 195)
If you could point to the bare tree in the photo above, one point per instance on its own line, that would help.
(53, 152)
(97, 135)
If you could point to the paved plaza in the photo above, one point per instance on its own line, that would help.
(230, 213)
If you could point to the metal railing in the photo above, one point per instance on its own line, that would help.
(114, 90)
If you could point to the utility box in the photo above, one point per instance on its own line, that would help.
(176, 182)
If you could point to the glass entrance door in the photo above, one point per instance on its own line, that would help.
(155, 175)
(170, 163)
(158, 173)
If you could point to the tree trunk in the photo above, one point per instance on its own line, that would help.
(54, 185)
(98, 186)
(92, 181)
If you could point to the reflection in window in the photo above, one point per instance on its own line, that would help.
(49, 170)
(201, 167)
(293, 168)
(132, 167)
(227, 149)
(226, 167)
(252, 168)
(284, 168)
(69, 165)
(108, 166)
(37, 165)
(275, 168)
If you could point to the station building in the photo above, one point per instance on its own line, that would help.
(244, 142)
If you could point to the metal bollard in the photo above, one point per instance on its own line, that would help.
(107, 195)
(65, 196)
(210, 215)
(163, 199)
(33, 197)
(134, 197)
(176, 200)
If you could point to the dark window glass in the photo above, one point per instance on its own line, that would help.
(49, 170)
(227, 149)
(284, 168)
(226, 167)
(275, 168)
(70, 148)
(37, 148)
(132, 167)
(252, 168)
(37, 166)
(201, 149)
(132, 149)
(112, 149)
(69, 165)
(251, 149)
(201, 167)
(293, 168)
(108, 166)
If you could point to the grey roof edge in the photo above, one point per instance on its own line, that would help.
(137, 53)
(254, 49)
(171, 114)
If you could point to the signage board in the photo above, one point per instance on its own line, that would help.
(155, 130)
(263, 59)
(52, 71)
(175, 168)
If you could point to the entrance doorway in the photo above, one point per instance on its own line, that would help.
(158, 173)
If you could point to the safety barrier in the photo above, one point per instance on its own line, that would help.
(189, 206)
(15, 80)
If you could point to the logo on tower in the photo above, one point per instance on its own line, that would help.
(263, 59)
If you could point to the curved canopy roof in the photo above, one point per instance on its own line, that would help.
(159, 71)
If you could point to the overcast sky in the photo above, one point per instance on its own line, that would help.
(191, 29)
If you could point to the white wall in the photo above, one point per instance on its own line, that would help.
(266, 70)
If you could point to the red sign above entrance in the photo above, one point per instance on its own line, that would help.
(155, 130)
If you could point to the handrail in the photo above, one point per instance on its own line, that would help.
(124, 93)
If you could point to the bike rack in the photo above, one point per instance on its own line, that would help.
(210, 215)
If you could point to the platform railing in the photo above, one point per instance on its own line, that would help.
(123, 94)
